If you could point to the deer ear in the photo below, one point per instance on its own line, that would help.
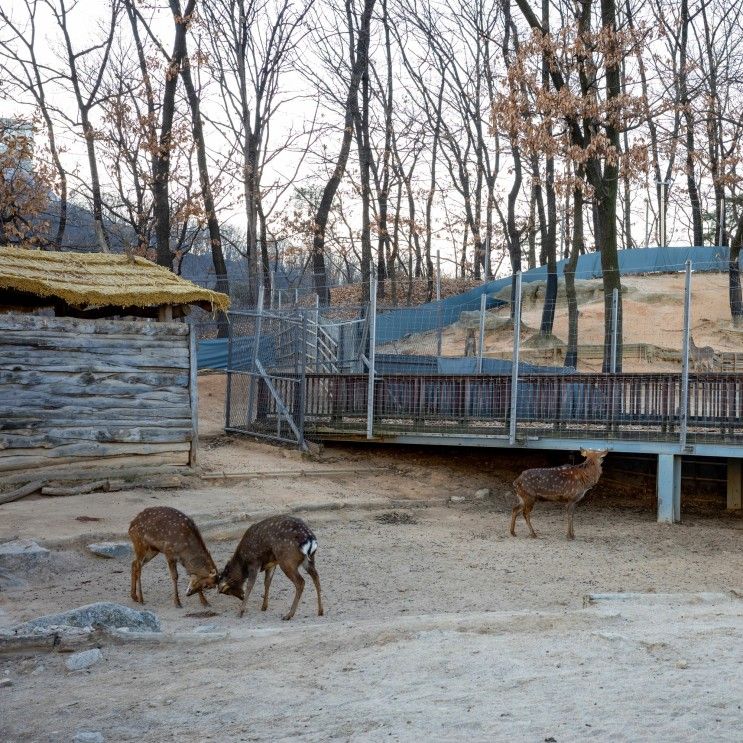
(583, 453)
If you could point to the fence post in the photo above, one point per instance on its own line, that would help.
(302, 389)
(515, 361)
(372, 354)
(438, 275)
(256, 349)
(228, 396)
(684, 402)
(481, 340)
(614, 325)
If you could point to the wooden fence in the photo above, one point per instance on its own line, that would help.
(94, 397)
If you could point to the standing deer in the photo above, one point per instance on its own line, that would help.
(566, 484)
(701, 357)
(470, 343)
(280, 540)
(166, 530)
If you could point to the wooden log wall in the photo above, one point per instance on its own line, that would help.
(95, 396)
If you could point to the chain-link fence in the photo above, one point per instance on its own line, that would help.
(646, 358)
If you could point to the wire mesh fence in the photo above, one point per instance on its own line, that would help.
(647, 360)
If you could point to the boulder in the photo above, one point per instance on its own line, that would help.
(482, 493)
(21, 553)
(8, 581)
(103, 614)
(111, 549)
(84, 659)
(85, 736)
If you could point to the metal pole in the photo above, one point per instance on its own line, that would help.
(228, 396)
(372, 355)
(438, 276)
(515, 360)
(481, 341)
(486, 272)
(614, 322)
(684, 406)
(256, 350)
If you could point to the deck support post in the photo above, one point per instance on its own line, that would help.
(372, 324)
(735, 485)
(668, 488)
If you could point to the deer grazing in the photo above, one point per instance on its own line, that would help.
(566, 484)
(702, 358)
(166, 530)
(280, 540)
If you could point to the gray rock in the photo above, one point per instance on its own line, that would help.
(202, 628)
(84, 659)
(5, 683)
(111, 549)
(8, 581)
(88, 737)
(482, 493)
(21, 553)
(457, 499)
(102, 614)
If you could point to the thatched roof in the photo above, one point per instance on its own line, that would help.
(91, 280)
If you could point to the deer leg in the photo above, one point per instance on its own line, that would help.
(136, 570)
(569, 509)
(266, 585)
(173, 568)
(252, 575)
(517, 509)
(312, 572)
(527, 512)
(291, 572)
(202, 598)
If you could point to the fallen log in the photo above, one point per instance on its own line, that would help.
(21, 492)
(87, 487)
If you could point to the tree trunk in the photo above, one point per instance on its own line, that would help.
(549, 246)
(571, 354)
(734, 287)
(161, 158)
(360, 64)
(215, 238)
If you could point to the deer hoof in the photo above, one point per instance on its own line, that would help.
(286, 617)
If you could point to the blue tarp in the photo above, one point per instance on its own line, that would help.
(393, 325)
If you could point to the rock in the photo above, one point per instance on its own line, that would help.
(88, 737)
(21, 553)
(102, 614)
(8, 581)
(202, 628)
(682, 664)
(482, 493)
(111, 549)
(457, 499)
(5, 683)
(84, 659)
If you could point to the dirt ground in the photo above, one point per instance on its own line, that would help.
(438, 624)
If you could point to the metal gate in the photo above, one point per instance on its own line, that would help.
(270, 353)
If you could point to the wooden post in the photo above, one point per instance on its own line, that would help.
(193, 389)
(668, 488)
(165, 313)
(735, 485)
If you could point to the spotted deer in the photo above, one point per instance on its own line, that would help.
(566, 484)
(702, 357)
(470, 343)
(166, 530)
(280, 540)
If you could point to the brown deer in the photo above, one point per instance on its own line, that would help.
(166, 530)
(470, 343)
(279, 540)
(702, 357)
(566, 484)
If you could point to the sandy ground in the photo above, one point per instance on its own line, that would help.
(653, 314)
(438, 624)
